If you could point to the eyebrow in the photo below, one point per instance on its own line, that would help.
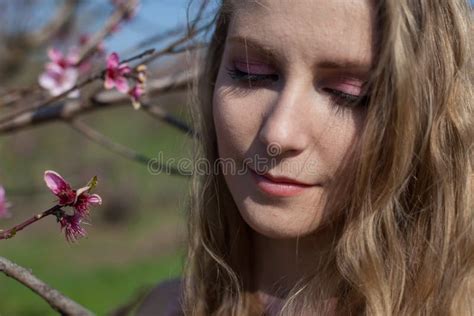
(252, 43)
(326, 64)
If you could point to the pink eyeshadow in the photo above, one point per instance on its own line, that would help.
(254, 68)
(349, 86)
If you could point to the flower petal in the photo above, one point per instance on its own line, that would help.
(4, 205)
(55, 182)
(109, 83)
(94, 199)
(121, 84)
(113, 60)
(46, 81)
(72, 56)
(82, 190)
(54, 68)
(69, 78)
(124, 69)
(56, 90)
(71, 224)
(55, 54)
(136, 92)
(59, 187)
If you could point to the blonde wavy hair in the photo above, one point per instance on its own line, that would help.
(405, 228)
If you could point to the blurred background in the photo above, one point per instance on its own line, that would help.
(136, 238)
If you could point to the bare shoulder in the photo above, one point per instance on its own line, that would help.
(163, 300)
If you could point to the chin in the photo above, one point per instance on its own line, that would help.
(276, 218)
(277, 223)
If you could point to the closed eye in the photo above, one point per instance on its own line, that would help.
(342, 98)
(242, 76)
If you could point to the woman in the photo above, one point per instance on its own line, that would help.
(352, 122)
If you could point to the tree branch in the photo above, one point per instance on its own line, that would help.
(68, 109)
(79, 85)
(55, 299)
(9, 233)
(117, 148)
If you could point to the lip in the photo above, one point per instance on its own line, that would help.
(283, 180)
(279, 186)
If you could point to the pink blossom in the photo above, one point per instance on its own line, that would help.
(58, 80)
(71, 224)
(115, 74)
(138, 90)
(80, 199)
(60, 74)
(60, 187)
(135, 93)
(4, 205)
(58, 58)
(84, 201)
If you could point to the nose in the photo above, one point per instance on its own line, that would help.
(284, 128)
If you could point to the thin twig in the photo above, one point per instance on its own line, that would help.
(117, 148)
(159, 113)
(54, 298)
(121, 12)
(198, 17)
(196, 46)
(167, 34)
(157, 38)
(169, 49)
(139, 56)
(9, 233)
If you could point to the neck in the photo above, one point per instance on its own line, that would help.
(279, 264)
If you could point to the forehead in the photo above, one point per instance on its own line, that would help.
(341, 29)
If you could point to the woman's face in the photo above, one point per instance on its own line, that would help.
(285, 105)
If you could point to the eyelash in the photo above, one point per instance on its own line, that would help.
(242, 76)
(338, 97)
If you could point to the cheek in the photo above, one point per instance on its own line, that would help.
(231, 127)
(336, 144)
(237, 120)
